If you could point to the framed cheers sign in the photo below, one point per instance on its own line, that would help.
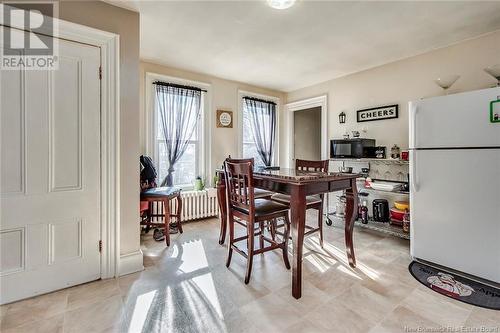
(379, 113)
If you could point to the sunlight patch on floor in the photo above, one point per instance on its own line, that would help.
(141, 309)
(193, 256)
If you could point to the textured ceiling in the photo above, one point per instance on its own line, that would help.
(309, 43)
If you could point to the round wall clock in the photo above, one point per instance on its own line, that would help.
(224, 118)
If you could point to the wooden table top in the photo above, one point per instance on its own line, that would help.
(298, 176)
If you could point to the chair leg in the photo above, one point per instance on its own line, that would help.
(272, 227)
(179, 214)
(261, 236)
(230, 220)
(320, 225)
(285, 241)
(250, 234)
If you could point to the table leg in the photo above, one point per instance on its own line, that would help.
(298, 217)
(166, 210)
(221, 199)
(350, 217)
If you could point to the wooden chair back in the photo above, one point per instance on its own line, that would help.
(305, 165)
(240, 185)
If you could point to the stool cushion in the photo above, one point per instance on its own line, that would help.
(160, 192)
(266, 207)
(285, 199)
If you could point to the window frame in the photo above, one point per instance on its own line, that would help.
(241, 94)
(204, 127)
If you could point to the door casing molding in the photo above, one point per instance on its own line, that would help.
(320, 101)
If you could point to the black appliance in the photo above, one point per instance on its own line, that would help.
(380, 210)
(350, 148)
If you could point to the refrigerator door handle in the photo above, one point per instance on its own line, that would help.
(413, 171)
(413, 125)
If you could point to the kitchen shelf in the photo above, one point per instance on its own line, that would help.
(374, 160)
(376, 191)
(385, 228)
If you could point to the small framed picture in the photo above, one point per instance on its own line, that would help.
(224, 119)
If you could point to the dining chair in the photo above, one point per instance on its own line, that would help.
(259, 193)
(246, 210)
(312, 201)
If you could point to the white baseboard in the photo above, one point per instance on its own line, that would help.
(131, 263)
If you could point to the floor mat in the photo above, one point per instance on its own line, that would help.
(456, 287)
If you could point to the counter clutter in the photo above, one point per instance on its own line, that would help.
(382, 192)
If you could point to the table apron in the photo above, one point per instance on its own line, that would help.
(309, 188)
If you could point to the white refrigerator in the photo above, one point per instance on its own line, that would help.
(455, 182)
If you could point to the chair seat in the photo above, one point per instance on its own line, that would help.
(259, 193)
(265, 207)
(160, 192)
(285, 199)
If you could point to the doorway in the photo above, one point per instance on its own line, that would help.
(307, 129)
(307, 134)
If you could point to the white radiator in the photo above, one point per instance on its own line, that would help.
(195, 205)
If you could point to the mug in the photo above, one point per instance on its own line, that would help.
(404, 155)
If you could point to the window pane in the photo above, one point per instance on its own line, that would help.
(185, 169)
(188, 167)
(249, 147)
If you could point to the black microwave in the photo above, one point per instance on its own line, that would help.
(351, 148)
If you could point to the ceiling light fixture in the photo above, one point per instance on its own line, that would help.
(281, 4)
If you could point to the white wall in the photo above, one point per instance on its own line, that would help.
(400, 82)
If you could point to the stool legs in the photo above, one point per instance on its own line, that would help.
(179, 214)
(166, 209)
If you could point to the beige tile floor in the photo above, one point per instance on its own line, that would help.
(187, 288)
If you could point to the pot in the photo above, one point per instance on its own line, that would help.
(345, 169)
(397, 214)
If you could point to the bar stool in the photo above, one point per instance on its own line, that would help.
(312, 201)
(164, 195)
(247, 211)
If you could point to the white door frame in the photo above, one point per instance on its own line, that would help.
(109, 44)
(320, 101)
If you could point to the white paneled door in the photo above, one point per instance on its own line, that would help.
(50, 183)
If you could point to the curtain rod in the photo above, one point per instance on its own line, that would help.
(259, 100)
(175, 85)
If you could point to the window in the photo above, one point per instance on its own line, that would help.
(190, 165)
(249, 144)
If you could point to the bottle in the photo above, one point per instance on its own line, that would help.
(364, 213)
(406, 222)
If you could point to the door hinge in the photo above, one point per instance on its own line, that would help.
(100, 73)
(100, 246)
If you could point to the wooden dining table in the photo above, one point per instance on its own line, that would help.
(299, 184)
